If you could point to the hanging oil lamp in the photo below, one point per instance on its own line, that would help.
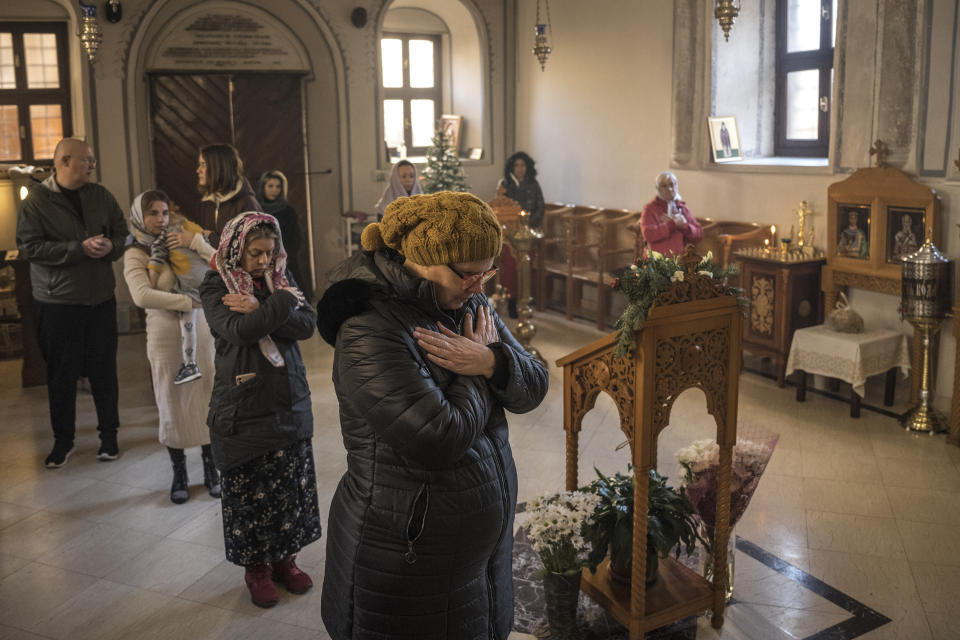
(726, 12)
(91, 35)
(541, 48)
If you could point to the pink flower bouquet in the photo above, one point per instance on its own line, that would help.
(699, 464)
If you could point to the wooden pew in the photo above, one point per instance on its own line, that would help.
(725, 237)
(606, 245)
(560, 227)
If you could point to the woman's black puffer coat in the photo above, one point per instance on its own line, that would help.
(420, 532)
(271, 409)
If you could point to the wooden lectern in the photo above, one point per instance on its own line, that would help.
(691, 338)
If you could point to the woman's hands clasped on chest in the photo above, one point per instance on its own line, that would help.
(466, 355)
(240, 302)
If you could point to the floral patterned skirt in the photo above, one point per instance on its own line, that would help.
(270, 506)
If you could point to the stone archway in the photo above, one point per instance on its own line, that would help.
(255, 38)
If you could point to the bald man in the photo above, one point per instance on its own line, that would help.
(70, 230)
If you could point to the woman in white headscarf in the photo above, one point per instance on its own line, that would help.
(403, 183)
(181, 407)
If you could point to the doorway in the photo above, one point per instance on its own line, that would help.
(259, 114)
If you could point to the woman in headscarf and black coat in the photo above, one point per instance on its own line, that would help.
(260, 418)
(420, 532)
(272, 196)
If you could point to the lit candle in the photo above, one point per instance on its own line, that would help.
(773, 234)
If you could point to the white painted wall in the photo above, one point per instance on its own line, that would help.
(596, 121)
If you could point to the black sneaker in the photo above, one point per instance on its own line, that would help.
(58, 457)
(109, 450)
(189, 371)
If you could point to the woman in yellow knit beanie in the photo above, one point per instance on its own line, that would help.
(439, 231)
(420, 530)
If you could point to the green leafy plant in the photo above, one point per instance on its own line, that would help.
(612, 525)
(650, 276)
(671, 523)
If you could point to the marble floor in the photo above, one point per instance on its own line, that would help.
(97, 551)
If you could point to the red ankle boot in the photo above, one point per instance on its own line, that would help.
(263, 592)
(287, 573)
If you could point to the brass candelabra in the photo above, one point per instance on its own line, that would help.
(924, 418)
(927, 289)
(522, 240)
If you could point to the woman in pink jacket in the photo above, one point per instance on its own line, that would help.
(666, 222)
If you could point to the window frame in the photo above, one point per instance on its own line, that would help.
(406, 93)
(24, 97)
(820, 59)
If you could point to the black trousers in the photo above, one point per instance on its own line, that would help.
(79, 340)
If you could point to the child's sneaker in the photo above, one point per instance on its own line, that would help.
(188, 371)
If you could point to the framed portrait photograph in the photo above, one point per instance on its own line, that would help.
(451, 125)
(905, 232)
(853, 231)
(724, 138)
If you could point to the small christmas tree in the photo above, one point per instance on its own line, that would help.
(444, 171)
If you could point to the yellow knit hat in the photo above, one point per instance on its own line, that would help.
(440, 228)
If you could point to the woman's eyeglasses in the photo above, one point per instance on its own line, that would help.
(468, 280)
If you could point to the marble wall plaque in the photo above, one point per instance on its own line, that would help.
(222, 36)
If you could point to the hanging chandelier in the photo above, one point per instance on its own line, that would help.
(726, 12)
(91, 35)
(541, 48)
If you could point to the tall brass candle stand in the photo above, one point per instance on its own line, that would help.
(925, 302)
(499, 299)
(522, 240)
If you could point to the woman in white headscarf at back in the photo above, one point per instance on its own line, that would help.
(403, 183)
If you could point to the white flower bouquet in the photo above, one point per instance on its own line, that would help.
(555, 528)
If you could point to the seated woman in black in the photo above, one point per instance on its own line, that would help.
(519, 182)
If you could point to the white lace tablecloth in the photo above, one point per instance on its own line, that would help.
(852, 357)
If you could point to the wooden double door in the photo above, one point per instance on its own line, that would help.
(259, 114)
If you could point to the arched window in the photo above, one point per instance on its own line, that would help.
(412, 90)
(430, 64)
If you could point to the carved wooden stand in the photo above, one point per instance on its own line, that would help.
(691, 338)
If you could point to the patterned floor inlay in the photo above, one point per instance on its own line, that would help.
(594, 623)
